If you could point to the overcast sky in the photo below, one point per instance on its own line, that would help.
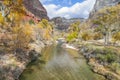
(68, 8)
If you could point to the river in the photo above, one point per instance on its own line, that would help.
(57, 63)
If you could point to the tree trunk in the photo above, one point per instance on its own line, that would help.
(106, 37)
(105, 42)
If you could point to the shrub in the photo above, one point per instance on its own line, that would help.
(86, 36)
(116, 36)
(107, 55)
(72, 36)
(115, 67)
(97, 36)
(22, 36)
(31, 22)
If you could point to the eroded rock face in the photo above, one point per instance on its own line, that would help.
(63, 23)
(36, 9)
(103, 3)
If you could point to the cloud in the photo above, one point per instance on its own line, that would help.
(80, 10)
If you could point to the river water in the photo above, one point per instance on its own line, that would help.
(57, 63)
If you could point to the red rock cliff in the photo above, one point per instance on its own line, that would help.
(35, 9)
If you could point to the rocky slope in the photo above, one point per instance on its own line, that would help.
(103, 3)
(13, 62)
(12, 65)
(35, 9)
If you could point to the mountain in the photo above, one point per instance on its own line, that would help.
(63, 23)
(35, 9)
(103, 3)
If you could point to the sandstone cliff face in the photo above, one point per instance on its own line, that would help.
(103, 3)
(35, 9)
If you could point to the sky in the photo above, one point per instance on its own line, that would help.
(68, 8)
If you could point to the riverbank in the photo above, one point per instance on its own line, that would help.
(12, 64)
(103, 60)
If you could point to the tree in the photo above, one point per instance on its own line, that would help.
(72, 36)
(44, 30)
(73, 31)
(12, 11)
(105, 18)
(11, 15)
(74, 27)
(86, 32)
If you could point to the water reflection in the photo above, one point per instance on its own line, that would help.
(57, 63)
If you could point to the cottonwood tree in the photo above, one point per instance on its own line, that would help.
(12, 12)
(73, 31)
(8, 7)
(105, 20)
(44, 30)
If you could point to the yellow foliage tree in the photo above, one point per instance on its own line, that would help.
(73, 31)
(12, 10)
(22, 36)
(44, 28)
